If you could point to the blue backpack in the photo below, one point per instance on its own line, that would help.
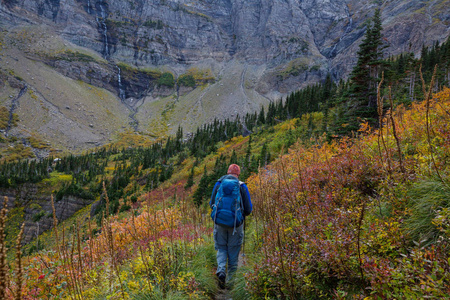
(227, 210)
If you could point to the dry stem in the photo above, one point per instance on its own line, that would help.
(427, 99)
(3, 264)
(55, 223)
(19, 269)
(394, 131)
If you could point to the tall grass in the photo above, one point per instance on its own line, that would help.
(202, 264)
(239, 290)
(426, 197)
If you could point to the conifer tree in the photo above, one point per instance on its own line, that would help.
(326, 95)
(365, 75)
(201, 191)
(190, 181)
(179, 139)
(233, 158)
(263, 155)
(262, 117)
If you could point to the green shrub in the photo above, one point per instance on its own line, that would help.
(124, 207)
(186, 80)
(76, 56)
(73, 189)
(166, 79)
(4, 116)
(38, 216)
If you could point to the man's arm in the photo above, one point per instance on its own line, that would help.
(248, 207)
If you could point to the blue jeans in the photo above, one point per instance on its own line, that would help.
(228, 247)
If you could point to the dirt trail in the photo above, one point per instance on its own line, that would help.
(225, 294)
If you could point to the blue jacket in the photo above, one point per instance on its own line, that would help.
(245, 195)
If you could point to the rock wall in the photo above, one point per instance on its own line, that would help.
(254, 51)
(160, 32)
(38, 212)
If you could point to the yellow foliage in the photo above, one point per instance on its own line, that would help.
(200, 75)
(56, 178)
(17, 152)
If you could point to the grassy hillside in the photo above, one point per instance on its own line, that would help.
(56, 111)
(365, 216)
(362, 217)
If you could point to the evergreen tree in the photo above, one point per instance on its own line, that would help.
(190, 181)
(365, 76)
(326, 95)
(263, 155)
(179, 139)
(233, 158)
(262, 117)
(201, 191)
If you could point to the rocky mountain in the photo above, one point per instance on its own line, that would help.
(94, 68)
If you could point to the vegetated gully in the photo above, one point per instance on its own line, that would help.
(346, 32)
(101, 16)
(13, 107)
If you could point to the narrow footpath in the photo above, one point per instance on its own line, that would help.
(225, 294)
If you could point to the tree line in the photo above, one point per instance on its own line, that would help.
(344, 104)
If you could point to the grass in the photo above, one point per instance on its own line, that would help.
(202, 264)
(56, 180)
(14, 219)
(293, 68)
(36, 142)
(17, 152)
(250, 251)
(239, 292)
(4, 117)
(157, 294)
(426, 197)
(70, 55)
(153, 73)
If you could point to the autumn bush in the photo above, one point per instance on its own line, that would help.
(350, 218)
(155, 251)
(364, 217)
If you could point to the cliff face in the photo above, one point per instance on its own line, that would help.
(242, 54)
(156, 32)
(27, 206)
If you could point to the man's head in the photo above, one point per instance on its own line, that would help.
(234, 170)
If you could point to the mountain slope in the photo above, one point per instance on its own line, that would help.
(242, 54)
(329, 219)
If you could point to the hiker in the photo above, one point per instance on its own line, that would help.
(230, 204)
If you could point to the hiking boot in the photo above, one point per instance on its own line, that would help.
(221, 278)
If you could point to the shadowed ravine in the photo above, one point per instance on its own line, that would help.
(13, 107)
(103, 28)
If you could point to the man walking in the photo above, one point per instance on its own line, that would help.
(230, 204)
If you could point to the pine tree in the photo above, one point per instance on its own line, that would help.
(179, 139)
(365, 75)
(201, 191)
(270, 117)
(233, 158)
(263, 156)
(326, 95)
(262, 117)
(190, 181)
